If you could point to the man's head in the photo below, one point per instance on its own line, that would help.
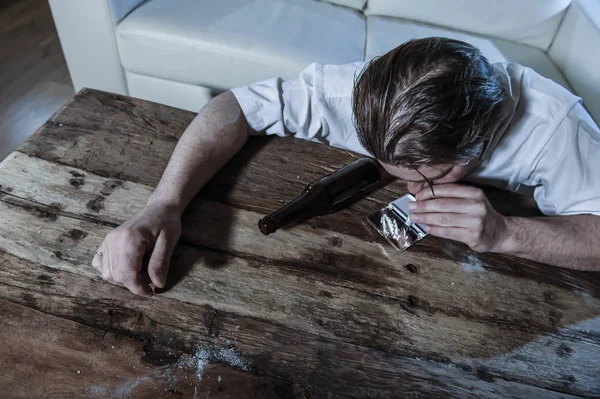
(428, 107)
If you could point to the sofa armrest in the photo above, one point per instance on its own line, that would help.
(576, 51)
(87, 34)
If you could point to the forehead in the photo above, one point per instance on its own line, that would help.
(409, 174)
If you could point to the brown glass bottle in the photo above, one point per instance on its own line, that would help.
(328, 194)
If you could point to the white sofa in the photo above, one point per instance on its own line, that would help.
(180, 52)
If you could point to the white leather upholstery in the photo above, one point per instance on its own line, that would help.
(225, 44)
(356, 4)
(576, 50)
(87, 36)
(532, 22)
(383, 34)
(175, 94)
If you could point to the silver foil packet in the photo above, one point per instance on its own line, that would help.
(393, 222)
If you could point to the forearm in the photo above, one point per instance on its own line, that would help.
(217, 133)
(567, 241)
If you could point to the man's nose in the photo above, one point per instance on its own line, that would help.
(414, 187)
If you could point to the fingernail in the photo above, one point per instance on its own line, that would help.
(415, 217)
(425, 227)
(412, 206)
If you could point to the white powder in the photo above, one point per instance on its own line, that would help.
(199, 362)
(472, 264)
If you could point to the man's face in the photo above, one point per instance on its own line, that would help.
(438, 174)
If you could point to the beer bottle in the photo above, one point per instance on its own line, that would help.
(326, 195)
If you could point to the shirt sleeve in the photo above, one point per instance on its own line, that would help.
(567, 175)
(286, 108)
(316, 106)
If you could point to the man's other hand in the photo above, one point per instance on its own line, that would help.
(152, 233)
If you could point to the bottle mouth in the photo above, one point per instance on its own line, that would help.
(266, 226)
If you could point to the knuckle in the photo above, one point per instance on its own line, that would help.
(444, 204)
(480, 209)
(479, 195)
(128, 235)
(445, 219)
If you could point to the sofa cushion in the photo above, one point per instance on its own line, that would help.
(576, 50)
(532, 22)
(383, 34)
(356, 4)
(230, 43)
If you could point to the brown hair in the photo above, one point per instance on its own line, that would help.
(428, 101)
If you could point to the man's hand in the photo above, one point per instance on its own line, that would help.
(460, 213)
(153, 232)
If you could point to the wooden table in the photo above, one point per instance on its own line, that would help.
(325, 309)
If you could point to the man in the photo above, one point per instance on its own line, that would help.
(433, 112)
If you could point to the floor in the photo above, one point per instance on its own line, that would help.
(34, 79)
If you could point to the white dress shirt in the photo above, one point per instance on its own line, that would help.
(551, 144)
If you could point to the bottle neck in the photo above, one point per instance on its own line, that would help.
(295, 211)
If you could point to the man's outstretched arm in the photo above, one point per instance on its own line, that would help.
(217, 133)
(464, 214)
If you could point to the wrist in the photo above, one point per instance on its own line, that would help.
(508, 242)
(166, 205)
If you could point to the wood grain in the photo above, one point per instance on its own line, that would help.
(374, 300)
(264, 347)
(266, 173)
(326, 304)
(86, 362)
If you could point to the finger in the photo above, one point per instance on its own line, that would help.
(158, 267)
(97, 259)
(127, 267)
(415, 187)
(448, 205)
(446, 220)
(452, 191)
(451, 233)
(138, 286)
(105, 261)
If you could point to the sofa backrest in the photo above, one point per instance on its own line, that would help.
(532, 22)
(356, 4)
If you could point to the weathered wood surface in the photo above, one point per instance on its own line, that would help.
(86, 362)
(326, 305)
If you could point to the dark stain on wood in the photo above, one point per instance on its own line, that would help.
(48, 269)
(413, 301)
(483, 373)
(76, 234)
(58, 254)
(549, 297)
(41, 212)
(76, 182)
(29, 300)
(336, 241)
(46, 280)
(96, 205)
(564, 350)
(555, 316)
(110, 186)
(326, 294)
(209, 322)
(412, 268)
(55, 205)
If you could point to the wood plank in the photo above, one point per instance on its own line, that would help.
(335, 258)
(127, 139)
(260, 346)
(383, 307)
(51, 357)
